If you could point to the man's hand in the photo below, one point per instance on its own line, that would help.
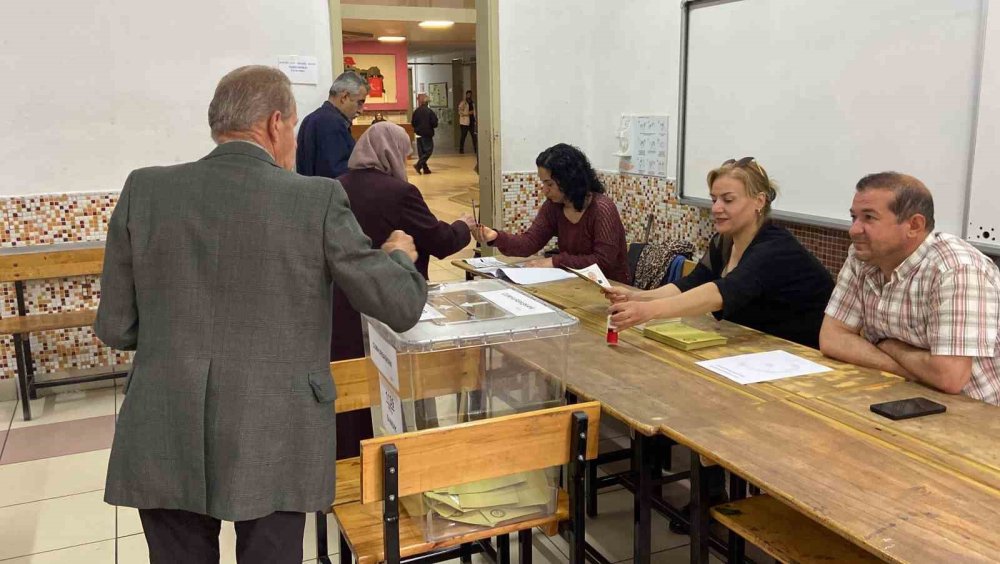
(400, 241)
(628, 314)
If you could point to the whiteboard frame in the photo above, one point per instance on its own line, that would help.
(808, 219)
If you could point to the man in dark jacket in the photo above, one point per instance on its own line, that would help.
(325, 141)
(218, 274)
(424, 121)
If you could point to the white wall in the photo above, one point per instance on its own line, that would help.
(570, 68)
(93, 90)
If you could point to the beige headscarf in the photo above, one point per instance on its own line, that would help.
(384, 146)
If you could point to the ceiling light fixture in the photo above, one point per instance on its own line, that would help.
(436, 24)
(391, 39)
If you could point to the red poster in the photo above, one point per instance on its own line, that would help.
(375, 87)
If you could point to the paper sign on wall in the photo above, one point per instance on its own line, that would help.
(392, 409)
(384, 356)
(300, 69)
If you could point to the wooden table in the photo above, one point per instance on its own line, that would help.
(358, 129)
(923, 490)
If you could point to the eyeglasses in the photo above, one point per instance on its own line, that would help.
(745, 163)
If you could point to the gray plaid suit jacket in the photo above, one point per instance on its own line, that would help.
(218, 274)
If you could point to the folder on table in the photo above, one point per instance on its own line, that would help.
(681, 336)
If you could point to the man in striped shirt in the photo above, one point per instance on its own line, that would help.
(912, 302)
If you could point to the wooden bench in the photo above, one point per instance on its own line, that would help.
(41, 263)
(786, 534)
(377, 529)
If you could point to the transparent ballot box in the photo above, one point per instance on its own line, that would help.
(482, 349)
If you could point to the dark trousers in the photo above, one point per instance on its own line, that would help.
(425, 146)
(467, 129)
(182, 536)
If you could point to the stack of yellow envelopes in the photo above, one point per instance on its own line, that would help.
(681, 336)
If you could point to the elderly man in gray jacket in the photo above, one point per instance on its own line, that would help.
(218, 274)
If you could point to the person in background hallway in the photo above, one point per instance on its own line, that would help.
(424, 121)
(325, 141)
(587, 223)
(467, 121)
(217, 273)
(383, 200)
(923, 305)
(754, 273)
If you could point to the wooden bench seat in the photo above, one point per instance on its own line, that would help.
(785, 534)
(43, 262)
(25, 324)
(366, 542)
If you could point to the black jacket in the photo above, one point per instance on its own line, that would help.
(424, 121)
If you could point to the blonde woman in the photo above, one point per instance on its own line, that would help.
(755, 273)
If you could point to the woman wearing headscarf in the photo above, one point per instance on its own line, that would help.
(383, 201)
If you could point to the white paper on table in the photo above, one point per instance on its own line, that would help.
(430, 313)
(536, 275)
(384, 356)
(392, 408)
(516, 303)
(762, 367)
(485, 263)
(592, 273)
(300, 69)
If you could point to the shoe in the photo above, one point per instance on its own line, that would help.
(417, 168)
(427, 170)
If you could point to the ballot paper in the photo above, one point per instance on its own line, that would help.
(480, 263)
(593, 274)
(762, 367)
(429, 313)
(524, 275)
(487, 502)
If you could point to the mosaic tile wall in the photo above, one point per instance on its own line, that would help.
(639, 196)
(43, 220)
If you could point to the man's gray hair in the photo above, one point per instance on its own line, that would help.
(246, 96)
(350, 82)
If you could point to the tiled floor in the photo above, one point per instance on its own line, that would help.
(52, 468)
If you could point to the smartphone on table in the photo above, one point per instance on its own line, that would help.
(907, 408)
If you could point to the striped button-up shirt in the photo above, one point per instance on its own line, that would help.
(945, 298)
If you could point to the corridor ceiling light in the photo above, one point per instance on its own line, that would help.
(391, 39)
(436, 24)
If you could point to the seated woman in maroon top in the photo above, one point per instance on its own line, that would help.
(383, 201)
(586, 222)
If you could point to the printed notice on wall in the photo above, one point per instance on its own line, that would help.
(392, 409)
(515, 302)
(300, 69)
(384, 356)
(643, 144)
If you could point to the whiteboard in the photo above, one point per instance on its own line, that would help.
(822, 93)
(983, 227)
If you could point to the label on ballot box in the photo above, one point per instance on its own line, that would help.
(392, 408)
(384, 356)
